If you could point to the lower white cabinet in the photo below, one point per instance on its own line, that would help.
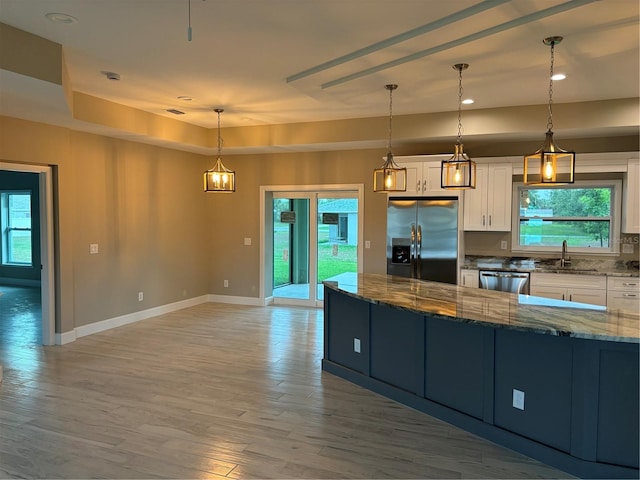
(590, 289)
(469, 278)
(623, 293)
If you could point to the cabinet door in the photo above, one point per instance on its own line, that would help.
(587, 295)
(623, 301)
(432, 179)
(499, 197)
(631, 194)
(414, 179)
(549, 292)
(469, 278)
(475, 202)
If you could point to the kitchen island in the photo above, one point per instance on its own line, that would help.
(557, 381)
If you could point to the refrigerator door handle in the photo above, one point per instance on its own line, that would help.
(418, 250)
(413, 251)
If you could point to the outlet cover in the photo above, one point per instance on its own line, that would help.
(518, 399)
(247, 240)
(93, 248)
(367, 244)
(627, 248)
(140, 296)
(356, 345)
(503, 245)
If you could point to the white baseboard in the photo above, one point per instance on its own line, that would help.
(137, 316)
(66, 337)
(101, 326)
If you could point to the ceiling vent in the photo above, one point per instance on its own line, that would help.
(174, 111)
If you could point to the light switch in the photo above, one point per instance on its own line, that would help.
(367, 244)
(518, 399)
(93, 248)
(247, 240)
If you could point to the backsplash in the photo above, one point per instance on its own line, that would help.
(488, 244)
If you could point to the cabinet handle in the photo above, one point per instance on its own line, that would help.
(418, 186)
(629, 295)
(489, 220)
(424, 185)
(563, 296)
(483, 223)
(629, 284)
(571, 298)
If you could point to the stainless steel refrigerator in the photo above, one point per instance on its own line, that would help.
(422, 238)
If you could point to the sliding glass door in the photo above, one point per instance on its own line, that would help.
(315, 238)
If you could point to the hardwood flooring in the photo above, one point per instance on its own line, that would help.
(219, 391)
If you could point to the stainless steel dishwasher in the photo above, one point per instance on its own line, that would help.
(505, 281)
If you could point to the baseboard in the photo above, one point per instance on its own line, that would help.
(66, 337)
(110, 323)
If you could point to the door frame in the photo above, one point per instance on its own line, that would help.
(266, 225)
(47, 275)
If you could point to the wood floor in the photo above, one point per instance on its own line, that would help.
(219, 391)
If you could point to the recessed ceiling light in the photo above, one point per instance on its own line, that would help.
(111, 75)
(559, 76)
(468, 101)
(61, 18)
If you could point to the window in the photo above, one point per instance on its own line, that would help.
(15, 225)
(584, 214)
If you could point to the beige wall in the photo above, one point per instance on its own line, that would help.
(159, 233)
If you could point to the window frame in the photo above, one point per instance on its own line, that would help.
(614, 226)
(6, 229)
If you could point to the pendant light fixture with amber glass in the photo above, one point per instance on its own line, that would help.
(390, 177)
(459, 172)
(550, 165)
(219, 179)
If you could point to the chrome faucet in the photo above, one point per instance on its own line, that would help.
(564, 261)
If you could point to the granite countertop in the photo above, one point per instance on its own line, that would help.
(609, 268)
(492, 308)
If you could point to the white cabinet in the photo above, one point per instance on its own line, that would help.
(623, 293)
(423, 176)
(590, 289)
(631, 198)
(488, 206)
(469, 278)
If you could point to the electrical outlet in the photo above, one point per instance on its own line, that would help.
(247, 240)
(93, 248)
(503, 245)
(518, 399)
(226, 283)
(356, 345)
(627, 248)
(367, 244)
(140, 296)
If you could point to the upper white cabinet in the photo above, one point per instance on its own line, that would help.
(631, 198)
(488, 206)
(469, 278)
(423, 176)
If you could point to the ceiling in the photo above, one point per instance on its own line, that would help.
(288, 61)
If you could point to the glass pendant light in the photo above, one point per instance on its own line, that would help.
(550, 165)
(219, 179)
(459, 172)
(390, 177)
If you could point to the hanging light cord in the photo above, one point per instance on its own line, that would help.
(189, 36)
(391, 88)
(459, 105)
(550, 119)
(219, 111)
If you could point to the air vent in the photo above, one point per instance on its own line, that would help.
(174, 111)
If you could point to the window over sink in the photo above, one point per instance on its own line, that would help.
(586, 214)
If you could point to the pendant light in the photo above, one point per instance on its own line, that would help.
(390, 177)
(219, 179)
(459, 172)
(550, 165)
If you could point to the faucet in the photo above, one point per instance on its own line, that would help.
(564, 261)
